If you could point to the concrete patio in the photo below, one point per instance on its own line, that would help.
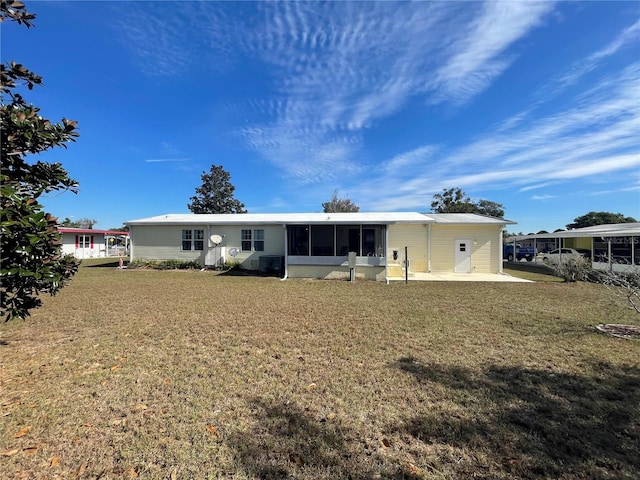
(461, 277)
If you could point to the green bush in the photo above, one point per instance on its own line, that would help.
(231, 264)
(166, 264)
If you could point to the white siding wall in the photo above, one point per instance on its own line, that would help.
(415, 238)
(273, 242)
(335, 272)
(485, 244)
(69, 246)
(156, 242)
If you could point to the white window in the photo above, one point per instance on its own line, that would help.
(246, 240)
(84, 241)
(258, 240)
(253, 239)
(198, 239)
(192, 239)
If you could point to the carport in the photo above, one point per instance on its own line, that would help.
(610, 246)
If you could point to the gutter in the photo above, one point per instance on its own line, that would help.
(286, 255)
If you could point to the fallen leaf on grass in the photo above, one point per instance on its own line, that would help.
(30, 450)
(9, 453)
(411, 469)
(131, 472)
(312, 386)
(115, 367)
(174, 474)
(213, 431)
(141, 406)
(385, 442)
(54, 461)
(22, 432)
(81, 469)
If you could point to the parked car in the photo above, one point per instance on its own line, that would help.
(561, 255)
(585, 252)
(521, 252)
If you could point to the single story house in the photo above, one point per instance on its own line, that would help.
(614, 246)
(317, 245)
(89, 243)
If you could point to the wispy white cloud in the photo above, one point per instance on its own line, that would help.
(336, 68)
(629, 36)
(334, 71)
(543, 197)
(597, 136)
(411, 159)
(536, 186)
(478, 56)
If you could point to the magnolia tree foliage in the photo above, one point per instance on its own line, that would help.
(32, 262)
(336, 205)
(454, 200)
(216, 194)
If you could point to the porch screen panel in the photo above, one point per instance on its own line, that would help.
(298, 239)
(347, 239)
(373, 240)
(322, 243)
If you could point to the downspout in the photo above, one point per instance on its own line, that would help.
(208, 254)
(130, 243)
(386, 257)
(501, 248)
(286, 255)
(429, 248)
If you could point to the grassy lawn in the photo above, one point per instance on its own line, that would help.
(180, 374)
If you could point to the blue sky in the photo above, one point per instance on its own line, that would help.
(533, 105)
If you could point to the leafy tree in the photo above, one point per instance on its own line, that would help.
(81, 223)
(32, 262)
(454, 200)
(336, 205)
(216, 194)
(491, 209)
(599, 218)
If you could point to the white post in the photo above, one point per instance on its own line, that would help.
(429, 249)
(386, 255)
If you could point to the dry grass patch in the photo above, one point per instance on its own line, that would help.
(194, 375)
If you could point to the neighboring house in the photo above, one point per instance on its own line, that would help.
(613, 246)
(90, 243)
(316, 245)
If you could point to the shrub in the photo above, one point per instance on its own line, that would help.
(166, 264)
(231, 264)
(573, 269)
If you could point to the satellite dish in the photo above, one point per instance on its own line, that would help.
(215, 239)
(233, 252)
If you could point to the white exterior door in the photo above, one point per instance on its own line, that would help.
(462, 256)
